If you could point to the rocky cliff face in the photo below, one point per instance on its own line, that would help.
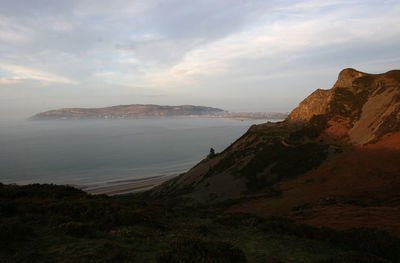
(360, 109)
(315, 104)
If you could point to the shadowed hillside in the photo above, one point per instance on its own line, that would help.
(48, 223)
(332, 162)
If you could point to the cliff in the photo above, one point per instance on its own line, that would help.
(338, 149)
(360, 107)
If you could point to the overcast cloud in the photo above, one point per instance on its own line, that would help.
(238, 55)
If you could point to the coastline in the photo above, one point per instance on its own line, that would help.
(126, 186)
(93, 156)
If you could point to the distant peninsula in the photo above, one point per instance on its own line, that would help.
(143, 111)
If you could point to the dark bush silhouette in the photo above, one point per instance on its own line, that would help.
(211, 154)
(13, 235)
(200, 251)
(77, 229)
(355, 257)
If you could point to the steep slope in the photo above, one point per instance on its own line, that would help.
(360, 188)
(330, 124)
(361, 107)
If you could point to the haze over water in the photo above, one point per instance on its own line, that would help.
(99, 151)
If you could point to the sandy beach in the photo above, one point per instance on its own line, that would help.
(127, 186)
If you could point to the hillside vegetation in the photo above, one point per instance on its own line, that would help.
(322, 186)
(48, 223)
(333, 162)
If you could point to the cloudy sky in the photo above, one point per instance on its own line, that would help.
(235, 54)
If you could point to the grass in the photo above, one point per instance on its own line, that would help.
(45, 223)
(288, 162)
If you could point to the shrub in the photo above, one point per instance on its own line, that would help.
(200, 251)
(239, 219)
(104, 251)
(77, 229)
(370, 241)
(354, 257)
(46, 191)
(211, 154)
(12, 235)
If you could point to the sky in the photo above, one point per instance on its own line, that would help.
(233, 54)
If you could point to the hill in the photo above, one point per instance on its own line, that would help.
(140, 111)
(333, 162)
(320, 187)
(126, 112)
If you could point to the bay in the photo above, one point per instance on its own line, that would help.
(98, 151)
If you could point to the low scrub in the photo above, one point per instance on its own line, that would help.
(199, 251)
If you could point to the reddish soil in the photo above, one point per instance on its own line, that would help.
(338, 127)
(360, 188)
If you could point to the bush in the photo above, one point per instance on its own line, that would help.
(354, 257)
(129, 217)
(12, 235)
(370, 241)
(211, 154)
(104, 251)
(239, 219)
(200, 251)
(45, 191)
(77, 229)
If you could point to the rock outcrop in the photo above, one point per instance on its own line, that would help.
(315, 104)
(359, 109)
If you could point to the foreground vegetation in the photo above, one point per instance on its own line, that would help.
(47, 223)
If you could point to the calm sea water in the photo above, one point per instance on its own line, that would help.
(99, 151)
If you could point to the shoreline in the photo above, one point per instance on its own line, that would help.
(231, 116)
(126, 186)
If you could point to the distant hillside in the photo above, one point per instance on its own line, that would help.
(126, 112)
(140, 111)
(333, 162)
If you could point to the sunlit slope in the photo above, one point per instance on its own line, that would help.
(333, 161)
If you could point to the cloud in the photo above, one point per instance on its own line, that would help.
(10, 80)
(20, 73)
(190, 49)
(13, 33)
(267, 48)
(111, 10)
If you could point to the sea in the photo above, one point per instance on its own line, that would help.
(95, 152)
